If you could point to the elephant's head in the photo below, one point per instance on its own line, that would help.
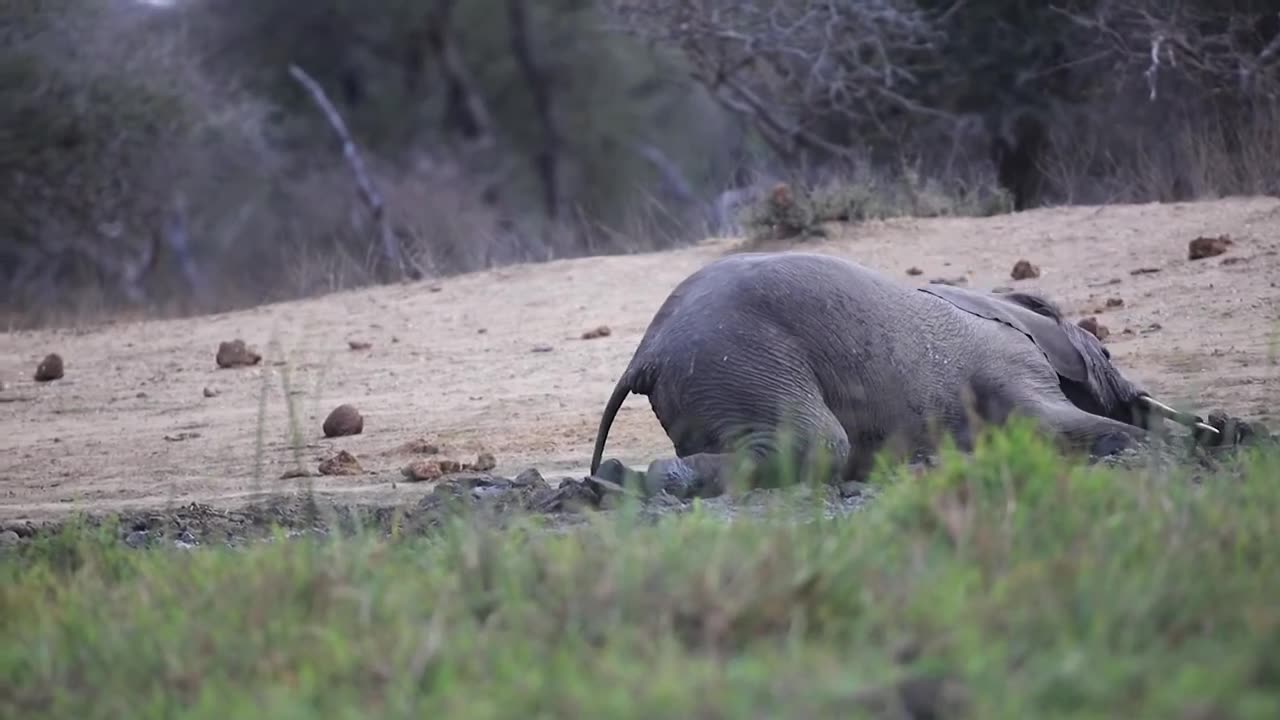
(1086, 374)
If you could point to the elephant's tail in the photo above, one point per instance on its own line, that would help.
(626, 385)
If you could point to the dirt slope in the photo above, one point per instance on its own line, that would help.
(129, 426)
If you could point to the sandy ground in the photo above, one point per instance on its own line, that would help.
(129, 426)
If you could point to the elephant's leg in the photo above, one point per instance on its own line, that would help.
(812, 445)
(1097, 435)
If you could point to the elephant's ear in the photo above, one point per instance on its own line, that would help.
(1032, 316)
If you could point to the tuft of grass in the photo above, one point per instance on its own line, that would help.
(1009, 583)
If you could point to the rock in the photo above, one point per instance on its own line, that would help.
(597, 332)
(485, 462)
(913, 271)
(1024, 270)
(1094, 327)
(958, 280)
(137, 539)
(210, 392)
(344, 463)
(1234, 260)
(528, 477)
(428, 470)
(571, 496)
(1115, 302)
(293, 473)
(1207, 247)
(50, 368)
(235, 353)
(1144, 271)
(9, 538)
(359, 344)
(343, 420)
(853, 488)
(541, 348)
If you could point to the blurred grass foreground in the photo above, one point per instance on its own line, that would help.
(1006, 584)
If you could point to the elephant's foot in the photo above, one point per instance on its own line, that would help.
(703, 475)
(614, 472)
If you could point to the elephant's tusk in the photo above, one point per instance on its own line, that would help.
(1207, 427)
(1182, 418)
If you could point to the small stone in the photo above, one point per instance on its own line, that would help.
(419, 446)
(913, 271)
(429, 470)
(1094, 327)
(1144, 271)
(1235, 260)
(958, 280)
(50, 368)
(597, 332)
(236, 354)
(542, 348)
(210, 392)
(137, 539)
(344, 463)
(485, 462)
(359, 344)
(1115, 302)
(9, 538)
(1207, 247)
(1024, 270)
(343, 420)
(293, 473)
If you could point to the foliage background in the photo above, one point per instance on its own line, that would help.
(161, 158)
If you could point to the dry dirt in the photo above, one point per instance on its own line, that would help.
(496, 361)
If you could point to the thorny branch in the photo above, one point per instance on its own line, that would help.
(808, 74)
(1214, 50)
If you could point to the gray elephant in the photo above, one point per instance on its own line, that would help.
(803, 356)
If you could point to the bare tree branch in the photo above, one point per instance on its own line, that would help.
(390, 245)
(810, 75)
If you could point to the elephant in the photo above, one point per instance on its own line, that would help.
(849, 362)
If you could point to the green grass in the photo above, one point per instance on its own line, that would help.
(1006, 584)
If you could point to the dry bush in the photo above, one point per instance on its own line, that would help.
(798, 209)
(142, 184)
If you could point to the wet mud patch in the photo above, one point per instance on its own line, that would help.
(479, 497)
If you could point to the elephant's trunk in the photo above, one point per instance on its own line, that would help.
(1152, 405)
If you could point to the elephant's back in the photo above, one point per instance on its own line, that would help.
(825, 308)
